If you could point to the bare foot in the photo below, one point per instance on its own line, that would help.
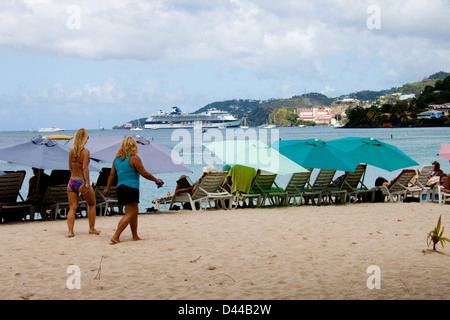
(137, 238)
(71, 235)
(94, 231)
(115, 241)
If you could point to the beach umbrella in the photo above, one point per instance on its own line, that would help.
(254, 154)
(445, 151)
(374, 152)
(2, 173)
(39, 152)
(314, 153)
(155, 158)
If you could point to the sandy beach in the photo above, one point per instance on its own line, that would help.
(295, 253)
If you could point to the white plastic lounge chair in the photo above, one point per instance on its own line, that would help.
(399, 187)
(422, 179)
(442, 195)
(209, 189)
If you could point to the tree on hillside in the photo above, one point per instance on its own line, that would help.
(284, 117)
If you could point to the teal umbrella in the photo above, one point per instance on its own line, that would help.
(254, 154)
(314, 153)
(374, 152)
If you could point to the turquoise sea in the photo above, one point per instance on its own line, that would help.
(421, 144)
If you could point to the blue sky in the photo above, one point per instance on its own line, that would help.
(80, 63)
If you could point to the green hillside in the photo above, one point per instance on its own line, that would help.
(258, 112)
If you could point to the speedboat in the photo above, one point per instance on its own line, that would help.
(51, 129)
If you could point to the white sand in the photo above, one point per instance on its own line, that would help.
(284, 253)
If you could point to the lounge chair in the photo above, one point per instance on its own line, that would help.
(297, 185)
(399, 187)
(440, 194)
(321, 187)
(10, 208)
(110, 201)
(57, 201)
(239, 179)
(353, 182)
(422, 179)
(265, 188)
(209, 189)
(162, 203)
(58, 177)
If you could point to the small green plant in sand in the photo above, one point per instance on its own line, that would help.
(436, 237)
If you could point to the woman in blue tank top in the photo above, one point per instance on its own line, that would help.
(128, 167)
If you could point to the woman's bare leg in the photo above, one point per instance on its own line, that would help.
(73, 205)
(130, 217)
(92, 211)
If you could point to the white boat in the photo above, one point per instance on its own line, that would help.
(136, 129)
(51, 129)
(245, 125)
(267, 125)
(212, 118)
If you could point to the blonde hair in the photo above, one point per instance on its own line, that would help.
(79, 141)
(128, 147)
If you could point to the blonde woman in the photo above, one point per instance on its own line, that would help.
(79, 182)
(128, 167)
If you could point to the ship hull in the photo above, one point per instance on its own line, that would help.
(229, 124)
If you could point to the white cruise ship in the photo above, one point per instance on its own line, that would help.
(212, 118)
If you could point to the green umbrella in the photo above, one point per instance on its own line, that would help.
(254, 154)
(316, 153)
(374, 152)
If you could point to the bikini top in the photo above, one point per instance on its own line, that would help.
(76, 161)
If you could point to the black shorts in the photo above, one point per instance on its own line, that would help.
(126, 195)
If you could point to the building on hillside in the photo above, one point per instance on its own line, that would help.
(406, 97)
(445, 108)
(432, 114)
(322, 116)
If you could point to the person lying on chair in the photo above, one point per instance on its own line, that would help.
(185, 185)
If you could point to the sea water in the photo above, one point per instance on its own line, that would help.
(421, 144)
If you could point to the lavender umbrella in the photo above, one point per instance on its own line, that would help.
(40, 153)
(155, 158)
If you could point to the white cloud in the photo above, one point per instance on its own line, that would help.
(287, 36)
(320, 45)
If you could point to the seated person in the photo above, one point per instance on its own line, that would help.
(37, 185)
(437, 170)
(184, 185)
(446, 184)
